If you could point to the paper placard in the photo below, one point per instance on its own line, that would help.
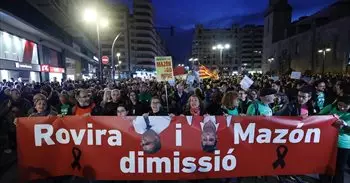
(275, 78)
(246, 83)
(295, 75)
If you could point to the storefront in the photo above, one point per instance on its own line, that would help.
(18, 58)
(55, 73)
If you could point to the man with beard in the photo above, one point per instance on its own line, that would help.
(85, 106)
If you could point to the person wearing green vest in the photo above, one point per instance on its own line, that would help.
(64, 108)
(341, 109)
(261, 107)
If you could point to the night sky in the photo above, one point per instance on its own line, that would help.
(184, 14)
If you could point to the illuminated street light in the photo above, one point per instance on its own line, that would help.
(323, 52)
(90, 15)
(220, 47)
(196, 59)
(120, 62)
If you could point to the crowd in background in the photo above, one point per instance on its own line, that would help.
(282, 96)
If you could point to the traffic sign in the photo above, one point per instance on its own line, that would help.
(105, 60)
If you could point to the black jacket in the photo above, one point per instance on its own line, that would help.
(294, 109)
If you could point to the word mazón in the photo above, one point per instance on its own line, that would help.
(276, 136)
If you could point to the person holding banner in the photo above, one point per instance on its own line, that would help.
(341, 108)
(194, 107)
(156, 108)
(230, 104)
(85, 106)
(300, 107)
(134, 106)
(42, 108)
(261, 107)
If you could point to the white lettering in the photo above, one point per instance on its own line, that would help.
(178, 135)
(281, 134)
(77, 138)
(229, 162)
(296, 136)
(39, 135)
(130, 161)
(317, 135)
(99, 134)
(115, 138)
(189, 165)
(59, 136)
(205, 164)
(238, 133)
(158, 162)
(264, 136)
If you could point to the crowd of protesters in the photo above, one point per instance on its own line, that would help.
(313, 95)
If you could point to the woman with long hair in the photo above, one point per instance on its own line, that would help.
(194, 107)
(230, 103)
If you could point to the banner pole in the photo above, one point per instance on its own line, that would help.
(166, 96)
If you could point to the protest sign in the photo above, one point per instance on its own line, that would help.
(295, 75)
(275, 78)
(164, 68)
(246, 83)
(110, 148)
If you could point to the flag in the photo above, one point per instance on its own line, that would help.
(205, 73)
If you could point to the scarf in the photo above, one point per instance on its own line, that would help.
(195, 111)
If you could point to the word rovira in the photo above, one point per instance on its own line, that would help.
(45, 132)
(176, 164)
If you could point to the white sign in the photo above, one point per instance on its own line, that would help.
(295, 75)
(171, 82)
(190, 79)
(275, 78)
(26, 66)
(246, 83)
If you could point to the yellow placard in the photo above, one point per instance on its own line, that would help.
(164, 68)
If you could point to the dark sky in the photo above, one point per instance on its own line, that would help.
(184, 14)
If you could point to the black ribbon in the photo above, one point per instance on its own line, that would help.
(76, 155)
(282, 151)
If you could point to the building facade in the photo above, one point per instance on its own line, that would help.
(34, 48)
(299, 45)
(145, 41)
(245, 46)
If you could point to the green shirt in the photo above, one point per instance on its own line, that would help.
(233, 112)
(320, 100)
(343, 138)
(145, 97)
(65, 109)
(264, 110)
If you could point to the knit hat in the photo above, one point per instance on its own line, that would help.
(267, 91)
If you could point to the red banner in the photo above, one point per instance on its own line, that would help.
(160, 148)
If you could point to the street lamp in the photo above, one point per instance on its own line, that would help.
(323, 52)
(221, 48)
(90, 15)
